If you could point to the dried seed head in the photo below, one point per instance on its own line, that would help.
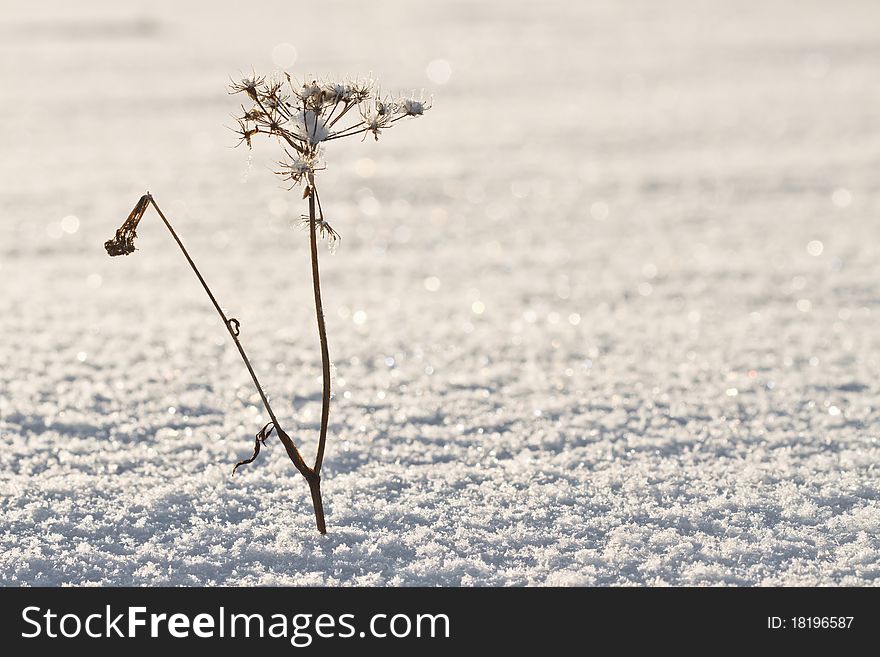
(361, 90)
(324, 229)
(311, 94)
(245, 132)
(337, 92)
(373, 122)
(385, 107)
(123, 242)
(250, 86)
(297, 168)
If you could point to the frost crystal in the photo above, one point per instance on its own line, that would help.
(413, 107)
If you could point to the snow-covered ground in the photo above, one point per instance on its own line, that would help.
(608, 314)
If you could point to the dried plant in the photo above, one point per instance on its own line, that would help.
(302, 118)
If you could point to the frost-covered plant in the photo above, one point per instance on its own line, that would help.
(303, 118)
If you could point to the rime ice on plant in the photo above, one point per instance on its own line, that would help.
(305, 116)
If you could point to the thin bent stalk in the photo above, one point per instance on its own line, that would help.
(322, 330)
(232, 325)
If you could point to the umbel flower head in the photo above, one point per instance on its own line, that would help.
(305, 115)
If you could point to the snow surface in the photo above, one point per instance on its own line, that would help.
(607, 314)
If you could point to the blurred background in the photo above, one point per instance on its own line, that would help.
(606, 314)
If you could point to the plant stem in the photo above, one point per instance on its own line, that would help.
(314, 480)
(322, 330)
(311, 474)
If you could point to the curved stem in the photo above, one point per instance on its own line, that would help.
(232, 327)
(322, 330)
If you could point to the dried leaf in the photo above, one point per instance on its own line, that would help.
(261, 436)
(123, 242)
